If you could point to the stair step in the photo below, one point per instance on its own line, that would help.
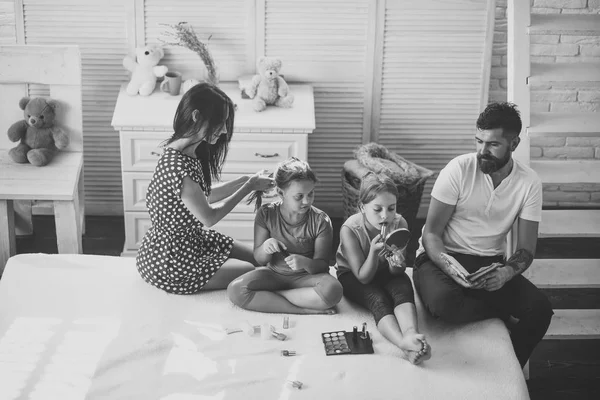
(574, 324)
(570, 223)
(567, 171)
(565, 24)
(565, 273)
(564, 124)
(566, 74)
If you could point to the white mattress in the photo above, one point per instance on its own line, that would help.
(79, 326)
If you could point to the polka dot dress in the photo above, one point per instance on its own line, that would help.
(178, 255)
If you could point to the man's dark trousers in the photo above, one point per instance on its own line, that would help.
(518, 298)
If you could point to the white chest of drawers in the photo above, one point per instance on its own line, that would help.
(260, 141)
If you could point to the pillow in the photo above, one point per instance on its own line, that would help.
(379, 160)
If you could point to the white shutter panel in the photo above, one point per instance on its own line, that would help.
(324, 43)
(432, 79)
(8, 32)
(99, 27)
(228, 21)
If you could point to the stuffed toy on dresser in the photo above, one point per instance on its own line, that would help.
(268, 86)
(144, 70)
(39, 137)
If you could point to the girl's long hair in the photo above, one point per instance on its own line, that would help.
(215, 111)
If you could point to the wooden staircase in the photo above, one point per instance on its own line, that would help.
(569, 273)
(580, 223)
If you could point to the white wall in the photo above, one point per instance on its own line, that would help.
(8, 33)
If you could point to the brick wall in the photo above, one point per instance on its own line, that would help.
(8, 34)
(551, 49)
(555, 49)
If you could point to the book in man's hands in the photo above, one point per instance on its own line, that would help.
(461, 275)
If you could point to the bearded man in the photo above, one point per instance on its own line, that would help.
(474, 203)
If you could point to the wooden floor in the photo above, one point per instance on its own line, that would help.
(558, 369)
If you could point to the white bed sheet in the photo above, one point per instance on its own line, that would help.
(88, 327)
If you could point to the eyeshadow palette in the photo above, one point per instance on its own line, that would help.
(342, 342)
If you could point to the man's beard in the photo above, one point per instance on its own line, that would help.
(489, 164)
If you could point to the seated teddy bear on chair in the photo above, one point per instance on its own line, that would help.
(145, 70)
(39, 138)
(268, 87)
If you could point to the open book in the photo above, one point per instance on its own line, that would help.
(460, 274)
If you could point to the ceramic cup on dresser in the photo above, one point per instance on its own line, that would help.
(171, 83)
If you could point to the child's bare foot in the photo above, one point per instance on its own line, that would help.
(410, 349)
(412, 341)
(424, 353)
(416, 347)
(410, 356)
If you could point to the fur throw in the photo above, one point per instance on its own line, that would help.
(380, 160)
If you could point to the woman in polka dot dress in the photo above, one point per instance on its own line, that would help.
(178, 254)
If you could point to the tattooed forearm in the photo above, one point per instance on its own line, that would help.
(520, 261)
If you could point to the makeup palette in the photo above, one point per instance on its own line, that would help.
(342, 342)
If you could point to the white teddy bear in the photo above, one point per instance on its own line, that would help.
(145, 70)
(268, 86)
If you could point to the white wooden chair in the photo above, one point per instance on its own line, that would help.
(61, 181)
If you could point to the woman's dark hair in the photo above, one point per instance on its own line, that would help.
(501, 115)
(215, 110)
(372, 184)
(292, 169)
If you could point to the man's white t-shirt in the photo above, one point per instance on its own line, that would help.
(484, 215)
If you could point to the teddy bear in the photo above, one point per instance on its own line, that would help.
(268, 87)
(145, 70)
(40, 138)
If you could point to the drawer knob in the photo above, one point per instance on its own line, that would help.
(266, 155)
(155, 153)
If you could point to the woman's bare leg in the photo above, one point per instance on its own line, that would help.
(244, 252)
(232, 268)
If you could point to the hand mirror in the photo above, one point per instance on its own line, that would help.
(398, 237)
